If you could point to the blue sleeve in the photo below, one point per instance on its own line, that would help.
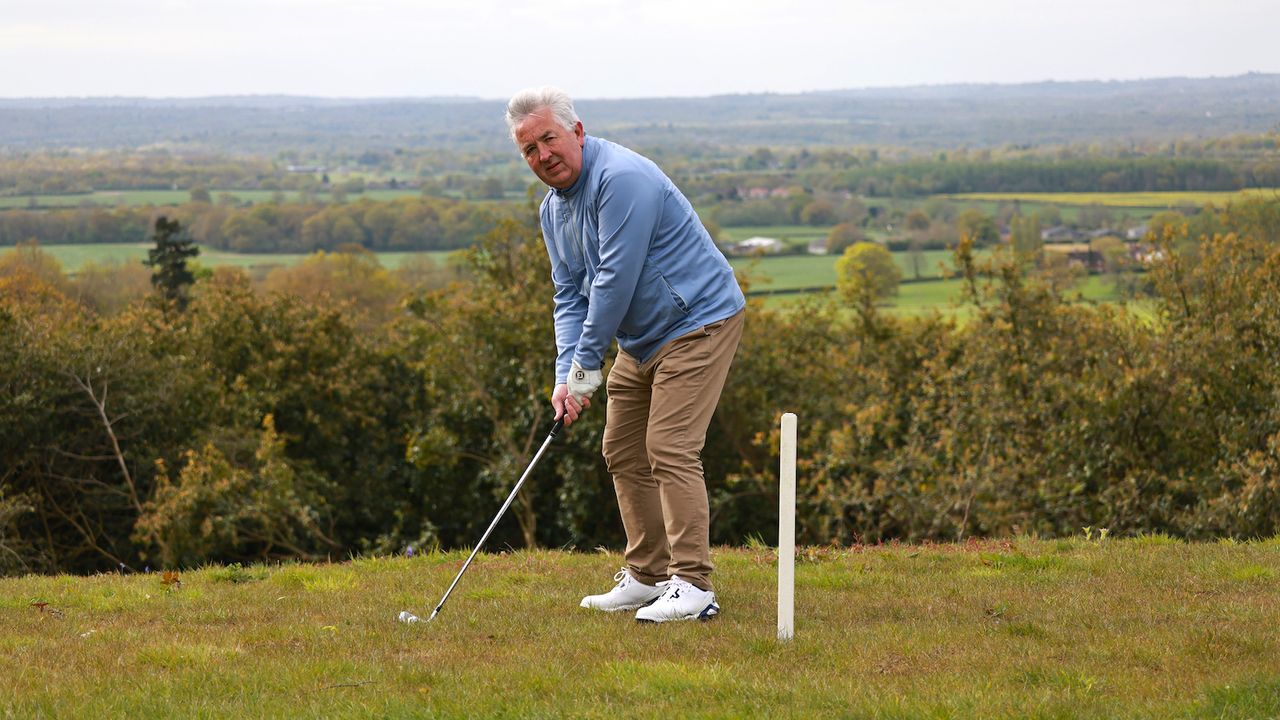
(570, 308)
(630, 205)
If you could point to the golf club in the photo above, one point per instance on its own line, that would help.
(405, 615)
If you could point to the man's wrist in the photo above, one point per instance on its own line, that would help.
(583, 382)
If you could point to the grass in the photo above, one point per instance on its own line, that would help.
(785, 233)
(73, 257)
(913, 298)
(132, 198)
(996, 629)
(1127, 199)
(787, 272)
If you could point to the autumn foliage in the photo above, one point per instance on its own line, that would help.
(348, 410)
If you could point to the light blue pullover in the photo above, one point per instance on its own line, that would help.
(629, 259)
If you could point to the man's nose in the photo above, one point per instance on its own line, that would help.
(544, 153)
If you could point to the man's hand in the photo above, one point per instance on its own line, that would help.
(582, 383)
(565, 404)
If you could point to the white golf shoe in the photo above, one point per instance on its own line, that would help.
(679, 601)
(628, 594)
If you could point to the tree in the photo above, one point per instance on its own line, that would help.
(1025, 235)
(818, 212)
(489, 188)
(28, 260)
(978, 226)
(168, 261)
(108, 288)
(917, 220)
(842, 236)
(866, 273)
(1049, 215)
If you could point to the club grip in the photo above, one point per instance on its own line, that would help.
(555, 429)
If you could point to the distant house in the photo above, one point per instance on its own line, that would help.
(761, 193)
(306, 169)
(1145, 253)
(1136, 233)
(1079, 255)
(757, 245)
(1061, 234)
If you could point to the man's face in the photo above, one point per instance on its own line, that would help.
(554, 154)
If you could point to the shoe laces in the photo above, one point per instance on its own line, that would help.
(674, 588)
(623, 578)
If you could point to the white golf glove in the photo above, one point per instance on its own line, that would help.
(583, 382)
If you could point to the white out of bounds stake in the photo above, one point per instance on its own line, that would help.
(787, 529)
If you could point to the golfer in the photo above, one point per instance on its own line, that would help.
(630, 260)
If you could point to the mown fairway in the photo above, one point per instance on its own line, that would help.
(1139, 628)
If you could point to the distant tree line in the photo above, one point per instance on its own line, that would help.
(63, 172)
(709, 173)
(1040, 114)
(342, 409)
(410, 223)
(919, 177)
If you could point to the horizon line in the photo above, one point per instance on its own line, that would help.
(589, 98)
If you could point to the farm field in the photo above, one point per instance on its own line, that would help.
(922, 298)
(110, 198)
(1157, 200)
(1146, 627)
(788, 272)
(73, 257)
(785, 272)
(785, 233)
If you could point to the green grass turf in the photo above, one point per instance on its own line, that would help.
(1072, 628)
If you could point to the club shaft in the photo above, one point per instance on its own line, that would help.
(502, 511)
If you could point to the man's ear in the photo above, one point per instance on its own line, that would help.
(579, 133)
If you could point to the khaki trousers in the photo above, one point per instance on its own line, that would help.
(655, 428)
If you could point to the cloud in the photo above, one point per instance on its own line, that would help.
(610, 48)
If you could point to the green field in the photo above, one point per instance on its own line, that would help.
(786, 233)
(921, 298)
(1161, 200)
(784, 272)
(73, 257)
(789, 272)
(132, 198)
(1074, 628)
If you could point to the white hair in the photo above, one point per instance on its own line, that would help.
(531, 100)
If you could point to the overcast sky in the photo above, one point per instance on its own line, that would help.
(611, 48)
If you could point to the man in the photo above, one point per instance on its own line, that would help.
(631, 260)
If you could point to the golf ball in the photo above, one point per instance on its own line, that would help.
(408, 617)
